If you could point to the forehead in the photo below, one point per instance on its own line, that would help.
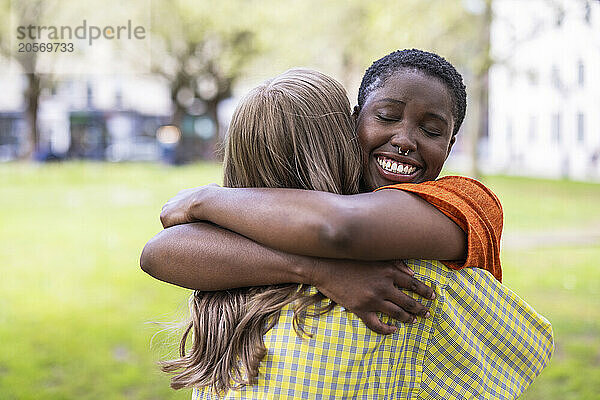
(414, 86)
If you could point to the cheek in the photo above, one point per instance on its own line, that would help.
(434, 154)
(370, 137)
(364, 142)
(364, 158)
(438, 158)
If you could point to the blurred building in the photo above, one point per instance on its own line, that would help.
(544, 89)
(12, 127)
(103, 118)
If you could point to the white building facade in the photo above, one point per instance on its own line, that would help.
(544, 89)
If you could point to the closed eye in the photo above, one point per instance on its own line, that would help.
(430, 132)
(386, 118)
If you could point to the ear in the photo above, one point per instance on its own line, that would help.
(355, 112)
(452, 141)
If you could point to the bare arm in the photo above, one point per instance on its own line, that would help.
(383, 225)
(205, 257)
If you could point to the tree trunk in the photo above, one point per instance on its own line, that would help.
(177, 117)
(347, 69)
(32, 97)
(480, 121)
(179, 111)
(481, 90)
(177, 120)
(212, 110)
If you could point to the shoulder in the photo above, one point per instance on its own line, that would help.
(455, 187)
(468, 189)
(459, 196)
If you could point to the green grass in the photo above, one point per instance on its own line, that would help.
(75, 306)
(541, 204)
(562, 284)
(75, 309)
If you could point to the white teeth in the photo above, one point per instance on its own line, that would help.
(395, 167)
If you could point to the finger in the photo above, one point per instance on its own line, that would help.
(408, 304)
(374, 323)
(391, 309)
(167, 219)
(401, 265)
(414, 285)
(164, 220)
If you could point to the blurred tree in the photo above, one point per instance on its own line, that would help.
(25, 13)
(201, 49)
(473, 51)
(482, 63)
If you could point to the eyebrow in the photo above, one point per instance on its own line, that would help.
(389, 100)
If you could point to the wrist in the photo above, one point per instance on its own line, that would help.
(198, 209)
(305, 270)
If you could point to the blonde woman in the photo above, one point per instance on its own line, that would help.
(343, 358)
(293, 131)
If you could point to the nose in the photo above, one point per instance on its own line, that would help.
(404, 138)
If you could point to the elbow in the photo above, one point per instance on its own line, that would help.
(147, 258)
(337, 233)
(334, 238)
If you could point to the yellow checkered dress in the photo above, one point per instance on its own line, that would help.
(482, 342)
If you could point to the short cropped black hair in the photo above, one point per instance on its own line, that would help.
(430, 64)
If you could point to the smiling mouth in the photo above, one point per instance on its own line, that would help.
(395, 167)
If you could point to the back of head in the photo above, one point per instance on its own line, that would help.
(428, 63)
(294, 131)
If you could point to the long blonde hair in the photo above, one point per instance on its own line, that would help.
(293, 131)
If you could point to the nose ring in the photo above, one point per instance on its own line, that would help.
(403, 153)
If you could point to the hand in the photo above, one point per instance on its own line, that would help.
(183, 208)
(366, 288)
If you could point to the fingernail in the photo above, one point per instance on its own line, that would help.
(410, 271)
(414, 320)
(432, 296)
(427, 314)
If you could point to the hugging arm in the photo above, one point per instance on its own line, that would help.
(383, 225)
(206, 257)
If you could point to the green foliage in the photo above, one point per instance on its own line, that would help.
(76, 310)
(203, 46)
(343, 38)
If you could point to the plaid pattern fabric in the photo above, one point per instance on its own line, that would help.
(482, 342)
